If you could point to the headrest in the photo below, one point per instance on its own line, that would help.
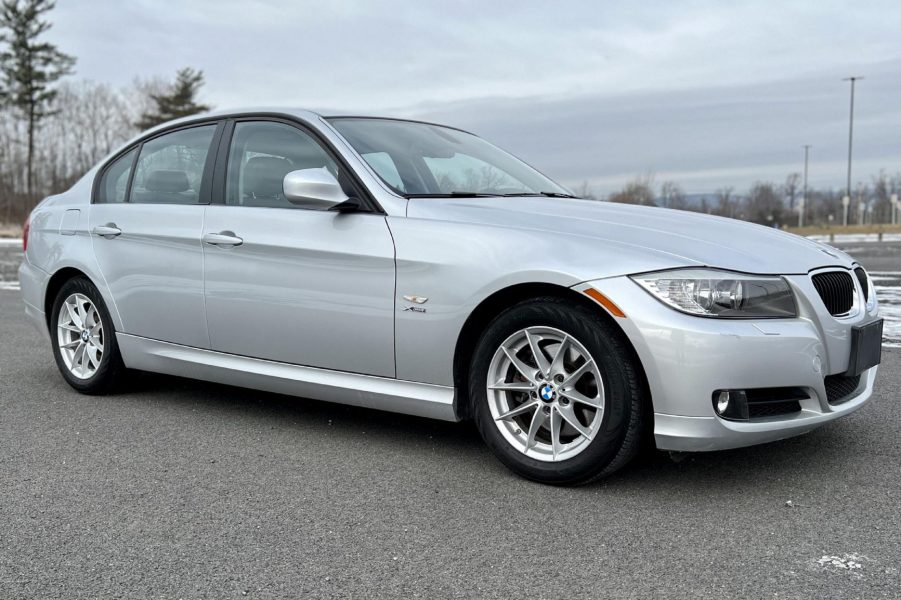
(167, 181)
(263, 176)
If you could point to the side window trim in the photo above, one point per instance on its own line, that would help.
(131, 173)
(221, 166)
(206, 179)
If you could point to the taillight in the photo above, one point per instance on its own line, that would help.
(25, 229)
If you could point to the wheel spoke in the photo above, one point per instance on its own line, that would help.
(524, 369)
(78, 355)
(93, 356)
(522, 408)
(557, 364)
(79, 308)
(538, 420)
(544, 367)
(513, 386)
(575, 396)
(72, 344)
(555, 425)
(76, 319)
(569, 415)
(573, 377)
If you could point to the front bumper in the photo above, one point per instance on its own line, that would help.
(687, 358)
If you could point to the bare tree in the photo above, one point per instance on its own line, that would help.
(726, 203)
(638, 191)
(584, 190)
(790, 189)
(765, 205)
(672, 196)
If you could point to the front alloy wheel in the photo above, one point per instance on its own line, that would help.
(556, 391)
(545, 393)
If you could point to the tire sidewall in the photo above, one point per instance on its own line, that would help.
(596, 335)
(110, 362)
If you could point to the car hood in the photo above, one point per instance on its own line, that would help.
(678, 237)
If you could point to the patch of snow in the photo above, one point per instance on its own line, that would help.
(845, 562)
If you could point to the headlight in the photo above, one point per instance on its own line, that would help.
(712, 293)
(869, 290)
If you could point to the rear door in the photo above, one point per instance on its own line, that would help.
(291, 284)
(146, 224)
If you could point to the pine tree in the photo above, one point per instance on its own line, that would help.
(29, 68)
(178, 101)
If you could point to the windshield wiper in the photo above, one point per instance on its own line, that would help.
(454, 195)
(548, 194)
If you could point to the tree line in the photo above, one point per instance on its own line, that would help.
(766, 203)
(52, 128)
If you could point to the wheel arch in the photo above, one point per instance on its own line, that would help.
(496, 303)
(55, 284)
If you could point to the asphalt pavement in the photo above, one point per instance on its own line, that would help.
(182, 489)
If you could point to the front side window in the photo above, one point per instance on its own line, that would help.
(421, 159)
(262, 153)
(170, 168)
(114, 183)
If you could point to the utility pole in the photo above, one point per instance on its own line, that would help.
(853, 80)
(804, 193)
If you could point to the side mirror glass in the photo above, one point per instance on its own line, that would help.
(313, 188)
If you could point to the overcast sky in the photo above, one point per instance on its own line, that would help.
(708, 94)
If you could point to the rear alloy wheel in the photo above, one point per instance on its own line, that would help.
(556, 392)
(84, 341)
(79, 335)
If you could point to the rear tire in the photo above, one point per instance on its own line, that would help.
(83, 338)
(562, 420)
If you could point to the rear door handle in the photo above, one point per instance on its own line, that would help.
(223, 238)
(109, 231)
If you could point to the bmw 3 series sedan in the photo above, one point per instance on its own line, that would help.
(415, 268)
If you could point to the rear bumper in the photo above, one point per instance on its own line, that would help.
(33, 282)
(687, 358)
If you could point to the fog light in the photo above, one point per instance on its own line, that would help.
(731, 404)
(722, 403)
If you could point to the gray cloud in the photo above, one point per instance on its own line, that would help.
(706, 93)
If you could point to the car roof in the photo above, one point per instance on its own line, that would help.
(302, 113)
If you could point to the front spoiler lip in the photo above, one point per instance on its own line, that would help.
(701, 434)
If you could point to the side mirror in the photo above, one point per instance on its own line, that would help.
(313, 188)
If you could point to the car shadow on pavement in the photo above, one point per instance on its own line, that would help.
(823, 450)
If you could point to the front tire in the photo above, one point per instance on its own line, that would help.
(556, 392)
(84, 340)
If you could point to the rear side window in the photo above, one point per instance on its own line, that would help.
(114, 184)
(170, 168)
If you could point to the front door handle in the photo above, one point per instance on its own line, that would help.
(109, 231)
(223, 238)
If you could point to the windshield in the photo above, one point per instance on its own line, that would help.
(420, 159)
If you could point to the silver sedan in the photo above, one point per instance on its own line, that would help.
(416, 268)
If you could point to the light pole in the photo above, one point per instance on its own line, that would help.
(853, 80)
(894, 209)
(804, 193)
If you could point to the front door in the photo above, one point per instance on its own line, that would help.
(146, 235)
(290, 284)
